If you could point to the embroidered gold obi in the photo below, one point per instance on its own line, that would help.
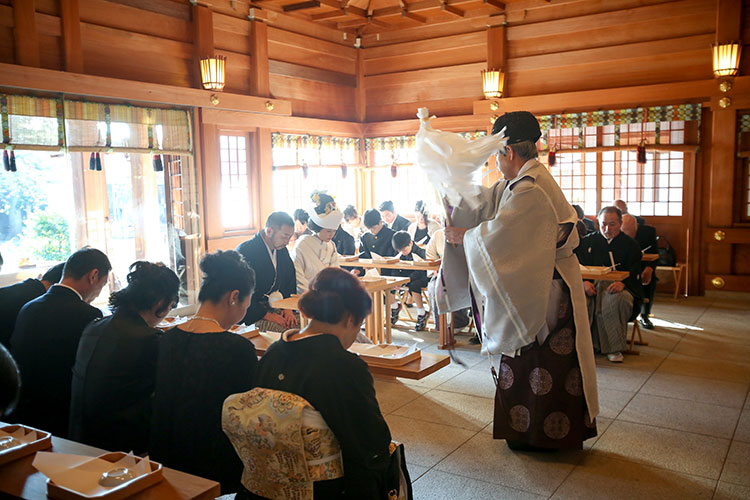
(283, 442)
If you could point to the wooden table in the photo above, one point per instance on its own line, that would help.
(19, 479)
(650, 257)
(609, 276)
(446, 339)
(427, 364)
(377, 324)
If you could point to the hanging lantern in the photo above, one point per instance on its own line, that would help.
(6, 161)
(92, 162)
(212, 72)
(343, 171)
(552, 157)
(158, 164)
(98, 161)
(641, 150)
(13, 161)
(304, 170)
(394, 170)
(493, 81)
(727, 59)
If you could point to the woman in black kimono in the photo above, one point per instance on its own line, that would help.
(201, 363)
(314, 363)
(115, 368)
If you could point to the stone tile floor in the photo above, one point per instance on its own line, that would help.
(675, 421)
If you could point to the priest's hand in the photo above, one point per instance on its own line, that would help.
(647, 275)
(455, 235)
(616, 287)
(589, 288)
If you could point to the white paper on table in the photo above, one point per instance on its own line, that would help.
(21, 437)
(81, 473)
(417, 258)
(372, 273)
(376, 256)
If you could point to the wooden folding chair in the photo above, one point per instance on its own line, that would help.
(633, 342)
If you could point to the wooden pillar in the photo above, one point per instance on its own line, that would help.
(71, 33)
(25, 35)
(203, 39)
(720, 199)
(496, 47)
(360, 95)
(264, 161)
(259, 78)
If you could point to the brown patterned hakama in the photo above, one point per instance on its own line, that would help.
(539, 398)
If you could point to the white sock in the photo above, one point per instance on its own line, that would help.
(394, 305)
(420, 311)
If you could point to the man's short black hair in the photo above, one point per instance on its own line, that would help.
(610, 210)
(301, 215)
(371, 218)
(84, 261)
(350, 213)
(54, 273)
(579, 211)
(401, 240)
(278, 219)
(387, 205)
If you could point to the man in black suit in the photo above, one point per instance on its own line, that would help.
(392, 219)
(275, 276)
(645, 236)
(45, 340)
(14, 297)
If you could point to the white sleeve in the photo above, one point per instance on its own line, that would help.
(300, 266)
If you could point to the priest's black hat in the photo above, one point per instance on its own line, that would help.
(519, 126)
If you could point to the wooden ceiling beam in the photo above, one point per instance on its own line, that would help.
(309, 4)
(418, 7)
(495, 3)
(452, 10)
(413, 16)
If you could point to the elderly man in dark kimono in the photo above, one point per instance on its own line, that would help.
(611, 304)
(511, 258)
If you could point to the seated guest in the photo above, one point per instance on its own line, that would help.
(314, 364)
(611, 304)
(14, 297)
(316, 251)
(46, 336)
(403, 244)
(391, 218)
(301, 219)
(10, 382)
(423, 228)
(115, 369)
(584, 226)
(378, 238)
(266, 253)
(199, 364)
(436, 245)
(624, 210)
(344, 242)
(353, 224)
(645, 236)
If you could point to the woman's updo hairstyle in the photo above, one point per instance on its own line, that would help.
(149, 284)
(421, 207)
(333, 293)
(225, 271)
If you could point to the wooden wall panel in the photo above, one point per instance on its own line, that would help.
(139, 57)
(315, 99)
(124, 17)
(7, 47)
(307, 51)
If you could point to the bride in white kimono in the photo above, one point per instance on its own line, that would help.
(314, 252)
(510, 257)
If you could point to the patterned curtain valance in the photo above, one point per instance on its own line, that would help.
(685, 112)
(743, 122)
(386, 143)
(42, 122)
(280, 140)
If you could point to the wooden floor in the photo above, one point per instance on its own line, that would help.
(675, 421)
